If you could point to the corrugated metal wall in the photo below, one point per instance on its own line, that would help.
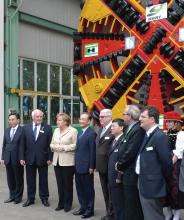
(39, 43)
(64, 12)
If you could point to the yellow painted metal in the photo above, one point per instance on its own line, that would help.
(174, 101)
(94, 10)
(93, 89)
(23, 92)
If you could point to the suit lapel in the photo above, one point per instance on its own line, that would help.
(8, 134)
(107, 133)
(148, 140)
(16, 133)
(116, 145)
(80, 139)
(31, 131)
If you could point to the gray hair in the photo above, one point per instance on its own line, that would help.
(107, 112)
(133, 111)
(36, 111)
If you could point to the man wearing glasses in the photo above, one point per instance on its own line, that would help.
(129, 148)
(103, 143)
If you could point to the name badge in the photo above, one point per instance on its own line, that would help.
(149, 148)
(41, 131)
(116, 150)
(107, 138)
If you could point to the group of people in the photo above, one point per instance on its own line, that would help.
(141, 168)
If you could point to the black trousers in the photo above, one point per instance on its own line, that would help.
(15, 180)
(85, 191)
(106, 194)
(117, 196)
(64, 178)
(133, 209)
(31, 171)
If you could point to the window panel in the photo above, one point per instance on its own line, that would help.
(42, 77)
(67, 106)
(54, 109)
(54, 79)
(42, 104)
(75, 86)
(76, 111)
(66, 81)
(28, 75)
(27, 108)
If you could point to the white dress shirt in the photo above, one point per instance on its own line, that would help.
(179, 145)
(137, 168)
(13, 130)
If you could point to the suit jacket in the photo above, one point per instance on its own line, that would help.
(113, 158)
(10, 149)
(155, 165)
(181, 177)
(103, 146)
(85, 151)
(68, 139)
(36, 152)
(129, 149)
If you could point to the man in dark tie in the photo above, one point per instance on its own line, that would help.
(153, 166)
(115, 177)
(129, 148)
(103, 144)
(84, 167)
(35, 153)
(10, 157)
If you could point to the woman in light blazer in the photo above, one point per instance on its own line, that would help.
(63, 145)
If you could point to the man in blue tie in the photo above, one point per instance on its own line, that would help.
(84, 167)
(10, 152)
(35, 153)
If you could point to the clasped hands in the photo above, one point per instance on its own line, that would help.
(57, 148)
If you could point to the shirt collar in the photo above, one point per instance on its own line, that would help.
(131, 125)
(117, 138)
(84, 129)
(151, 130)
(15, 128)
(107, 126)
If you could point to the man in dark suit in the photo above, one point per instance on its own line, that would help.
(84, 167)
(10, 157)
(35, 153)
(103, 143)
(115, 177)
(129, 148)
(154, 165)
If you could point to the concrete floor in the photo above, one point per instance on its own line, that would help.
(38, 211)
(11, 211)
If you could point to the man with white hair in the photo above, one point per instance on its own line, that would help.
(35, 153)
(103, 143)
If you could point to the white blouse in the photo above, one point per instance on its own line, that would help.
(179, 145)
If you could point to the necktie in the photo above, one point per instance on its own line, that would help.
(145, 139)
(114, 142)
(12, 134)
(35, 131)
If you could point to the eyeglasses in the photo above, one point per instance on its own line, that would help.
(103, 116)
(125, 114)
